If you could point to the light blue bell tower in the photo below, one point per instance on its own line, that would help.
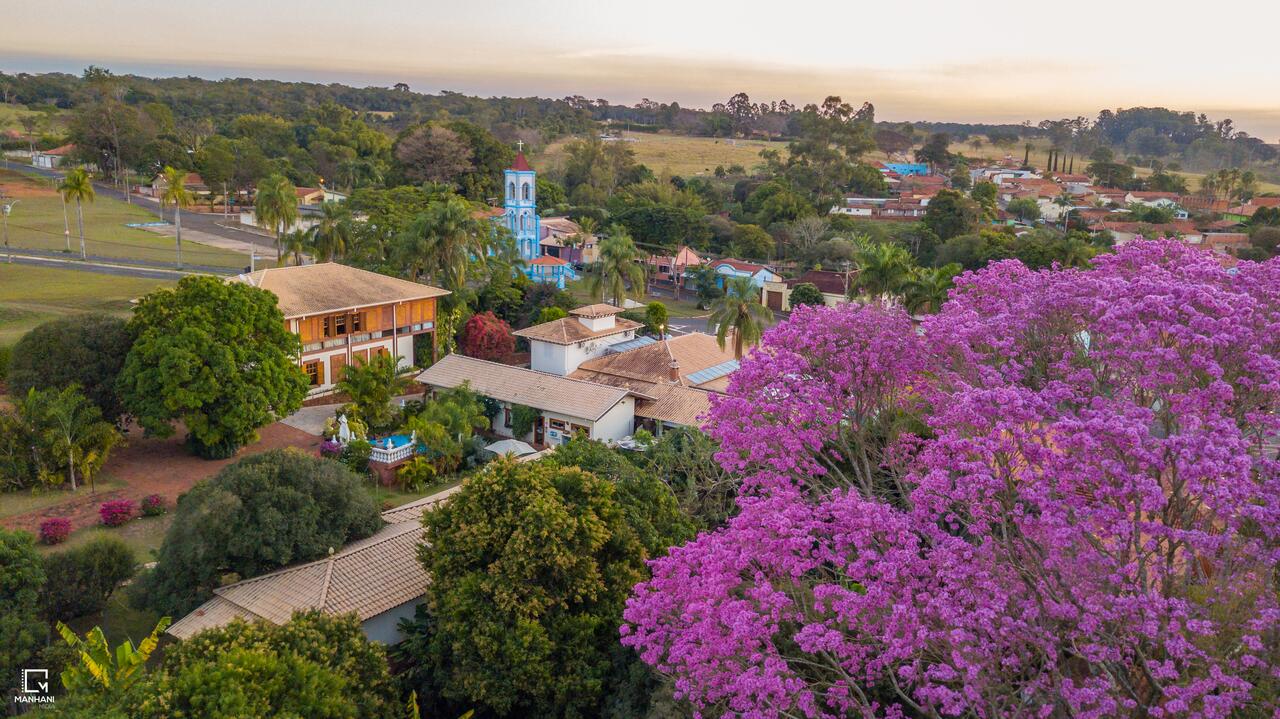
(521, 205)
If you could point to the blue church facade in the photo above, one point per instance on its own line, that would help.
(520, 207)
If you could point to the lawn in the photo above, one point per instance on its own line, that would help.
(144, 536)
(37, 222)
(679, 154)
(388, 497)
(9, 115)
(24, 501)
(31, 295)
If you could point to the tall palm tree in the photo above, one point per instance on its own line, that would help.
(445, 241)
(176, 192)
(1066, 201)
(296, 242)
(883, 268)
(71, 428)
(618, 265)
(77, 186)
(926, 289)
(739, 311)
(276, 207)
(332, 235)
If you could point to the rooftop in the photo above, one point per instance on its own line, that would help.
(330, 287)
(367, 577)
(695, 353)
(521, 164)
(571, 330)
(600, 309)
(517, 385)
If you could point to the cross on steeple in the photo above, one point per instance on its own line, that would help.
(519, 145)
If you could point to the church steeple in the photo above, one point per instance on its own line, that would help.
(521, 205)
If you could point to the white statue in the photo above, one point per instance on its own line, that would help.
(344, 430)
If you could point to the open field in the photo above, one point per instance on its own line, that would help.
(9, 115)
(677, 154)
(31, 295)
(36, 222)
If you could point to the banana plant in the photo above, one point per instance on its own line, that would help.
(99, 668)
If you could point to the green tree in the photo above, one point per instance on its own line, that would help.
(216, 356)
(926, 288)
(685, 459)
(531, 565)
(88, 350)
(752, 242)
(245, 683)
(655, 318)
(331, 236)
(433, 153)
(21, 631)
(175, 193)
(334, 643)
(950, 213)
(81, 579)
(619, 264)
(264, 512)
(739, 312)
(276, 207)
(883, 269)
(372, 386)
(444, 242)
(936, 150)
(295, 242)
(70, 433)
(984, 193)
(1024, 208)
(77, 186)
(551, 314)
(99, 669)
(806, 293)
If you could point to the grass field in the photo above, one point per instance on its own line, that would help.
(9, 115)
(678, 154)
(31, 295)
(37, 222)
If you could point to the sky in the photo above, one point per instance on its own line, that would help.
(921, 60)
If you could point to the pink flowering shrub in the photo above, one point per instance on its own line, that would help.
(153, 505)
(116, 512)
(55, 530)
(1062, 498)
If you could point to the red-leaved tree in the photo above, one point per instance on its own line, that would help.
(487, 337)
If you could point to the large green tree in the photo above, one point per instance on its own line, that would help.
(445, 241)
(214, 355)
(88, 350)
(21, 630)
(259, 514)
(618, 266)
(951, 213)
(531, 565)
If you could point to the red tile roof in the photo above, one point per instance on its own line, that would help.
(739, 265)
(548, 260)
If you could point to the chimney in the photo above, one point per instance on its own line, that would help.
(673, 372)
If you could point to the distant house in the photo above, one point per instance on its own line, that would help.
(49, 159)
(834, 286)
(344, 315)
(1241, 213)
(563, 238)
(315, 196)
(1125, 232)
(193, 183)
(1226, 242)
(672, 268)
(380, 579)
(729, 268)
(905, 169)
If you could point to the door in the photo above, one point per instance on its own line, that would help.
(336, 364)
(539, 430)
(774, 300)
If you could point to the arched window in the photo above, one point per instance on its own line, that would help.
(511, 190)
(525, 190)
(523, 217)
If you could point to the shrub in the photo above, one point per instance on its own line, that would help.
(82, 579)
(356, 456)
(21, 631)
(416, 475)
(86, 350)
(485, 336)
(330, 449)
(55, 530)
(6, 359)
(254, 516)
(522, 419)
(153, 505)
(116, 512)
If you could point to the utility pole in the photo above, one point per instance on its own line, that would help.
(8, 207)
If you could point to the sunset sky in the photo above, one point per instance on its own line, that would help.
(928, 59)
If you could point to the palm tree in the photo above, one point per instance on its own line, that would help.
(276, 207)
(446, 239)
(296, 242)
(883, 268)
(619, 264)
(77, 186)
(175, 191)
(1066, 201)
(587, 227)
(739, 311)
(331, 236)
(71, 427)
(926, 289)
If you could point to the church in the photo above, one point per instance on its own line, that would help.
(521, 217)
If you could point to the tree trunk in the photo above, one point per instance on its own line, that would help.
(66, 224)
(177, 222)
(71, 469)
(84, 255)
(279, 242)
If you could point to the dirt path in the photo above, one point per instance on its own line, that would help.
(156, 466)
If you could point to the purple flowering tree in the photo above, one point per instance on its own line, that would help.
(1059, 498)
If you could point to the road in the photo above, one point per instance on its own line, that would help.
(98, 267)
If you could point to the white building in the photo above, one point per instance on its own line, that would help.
(560, 346)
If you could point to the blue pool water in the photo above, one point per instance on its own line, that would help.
(397, 441)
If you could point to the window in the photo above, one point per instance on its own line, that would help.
(315, 372)
(339, 324)
(511, 190)
(357, 320)
(328, 326)
(525, 191)
(506, 416)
